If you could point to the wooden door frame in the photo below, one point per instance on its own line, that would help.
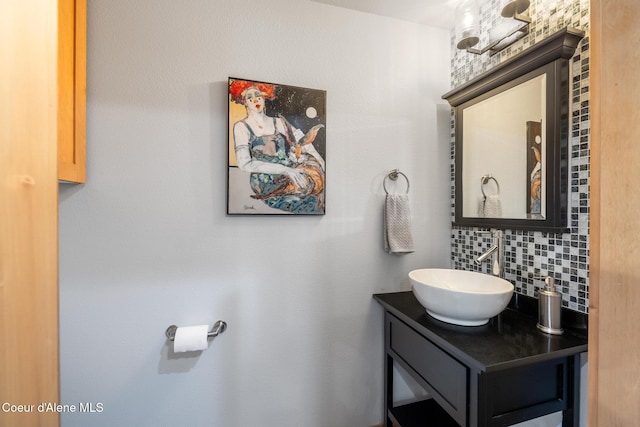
(29, 358)
(614, 289)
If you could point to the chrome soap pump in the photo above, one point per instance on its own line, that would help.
(549, 308)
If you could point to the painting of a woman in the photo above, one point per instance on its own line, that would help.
(534, 169)
(286, 172)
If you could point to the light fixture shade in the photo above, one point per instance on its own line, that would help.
(512, 7)
(467, 24)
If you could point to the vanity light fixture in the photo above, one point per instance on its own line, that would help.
(514, 26)
(467, 24)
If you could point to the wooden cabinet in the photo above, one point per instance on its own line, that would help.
(494, 375)
(440, 374)
(72, 24)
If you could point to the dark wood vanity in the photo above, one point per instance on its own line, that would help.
(498, 374)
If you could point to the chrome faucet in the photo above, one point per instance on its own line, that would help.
(495, 252)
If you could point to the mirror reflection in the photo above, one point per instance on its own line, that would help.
(511, 140)
(503, 150)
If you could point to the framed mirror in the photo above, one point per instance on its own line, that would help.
(511, 139)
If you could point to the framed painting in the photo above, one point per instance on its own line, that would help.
(277, 149)
(534, 169)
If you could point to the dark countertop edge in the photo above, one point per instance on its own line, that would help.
(540, 358)
(470, 361)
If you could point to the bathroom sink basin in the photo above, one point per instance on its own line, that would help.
(460, 297)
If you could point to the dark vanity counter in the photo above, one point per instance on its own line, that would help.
(498, 374)
(507, 340)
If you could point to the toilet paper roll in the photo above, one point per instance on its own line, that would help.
(191, 338)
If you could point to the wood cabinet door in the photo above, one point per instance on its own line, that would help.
(72, 88)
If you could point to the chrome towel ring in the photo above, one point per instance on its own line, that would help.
(484, 180)
(393, 176)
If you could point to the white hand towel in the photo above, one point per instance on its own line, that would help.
(481, 206)
(492, 207)
(397, 225)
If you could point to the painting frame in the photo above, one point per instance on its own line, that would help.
(276, 149)
(534, 169)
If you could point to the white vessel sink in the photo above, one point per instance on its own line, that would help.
(460, 297)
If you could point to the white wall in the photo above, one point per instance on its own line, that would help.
(146, 242)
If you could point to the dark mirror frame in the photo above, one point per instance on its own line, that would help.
(550, 56)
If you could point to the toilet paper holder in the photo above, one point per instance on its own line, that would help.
(219, 327)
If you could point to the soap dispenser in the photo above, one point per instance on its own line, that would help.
(549, 305)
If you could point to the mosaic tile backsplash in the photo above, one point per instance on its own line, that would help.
(528, 254)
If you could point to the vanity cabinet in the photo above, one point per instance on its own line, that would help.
(72, 90)
(497, 374)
